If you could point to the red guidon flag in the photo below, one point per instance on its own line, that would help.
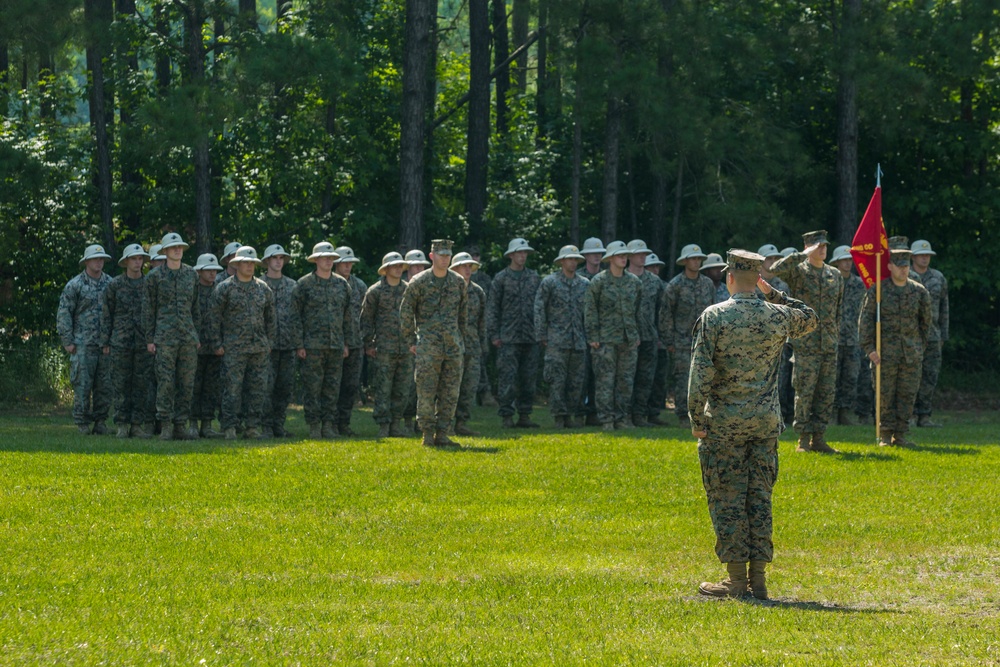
(871, 244)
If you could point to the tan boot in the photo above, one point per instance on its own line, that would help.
(230, 433)
(733, 587)
(396, 429)
(441, 439)
(559, 422)
(924, 421)
(804, 442)
(819, 444)
(524, 421)
(206, 430)
(316, 431)
(329, 431)
(884, 438)
(900, 440)
(138, 432)
(122, 431)
(428, 439)
(758, 583)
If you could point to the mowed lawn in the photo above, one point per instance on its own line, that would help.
(531, 547)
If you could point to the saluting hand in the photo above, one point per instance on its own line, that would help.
(764, 286)
(301, 353)
(875, 359)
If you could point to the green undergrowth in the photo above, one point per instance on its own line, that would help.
(528, 547)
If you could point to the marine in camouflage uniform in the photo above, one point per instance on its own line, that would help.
(207, 394)
(389, 351)
(907, 320)
(814, 375)
(649, 340)
(658, 397)
(847, 349)
(592, 251)
(483, 279)
(681, 303)
(474, 339)
(611, 318)
(350, 379)
(172, 318)
(937, 286)
(713, 268)
(433, 318)
(281, 369)
(124, 339)
(416, 263)
(560, 331)
(733, 407)
(78, 323)
(321, 315)
(244, 317)
(511, 328)
(786, 394)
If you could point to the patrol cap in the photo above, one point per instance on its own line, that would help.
(207, 262)
(154, 253)
(172, 240)
(785, 252)
(416, 257)
(899, 250)
(614, 248)
(818, 236)
(568, 252)
(690, 251)
(94, 252)
(744, 260)
(769, 250)
(518, 244)
(841, 252)
(714, 260)
(230, 248)
(592, 245)
(322, 249)
(391, 259)
(441, 246)
(245, 254)
(274, 250)
(637, 247)
(464, 258)
(346, 255)
(922, 247)
(131, 250)
(654, 260)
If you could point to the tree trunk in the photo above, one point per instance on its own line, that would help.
(542, 92)
(429, 161)
(521, 15)
(847, 124)
(195, 74)
(4, 67)
(162, 65)
(676, 227)
(478, 145)
(248, 14)
(501, 49)
(97, 16)
(612, 150)
(416, 55)
(130, 193)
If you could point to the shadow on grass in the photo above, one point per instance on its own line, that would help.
(865, 456)
(803, 605)
(946, 449)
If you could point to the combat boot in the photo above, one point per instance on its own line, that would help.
(266, 433)
(733, 587)
(804, 442)
(231, 433)
(924, 421)
(252, 434)
(441, 439)
(524, 421)
(609, 426)
(396, 429)
(100, 428)
(844, 417)
(819, 444)
(758, 583)
(654, 420)
(83, 429)
(559, 422)
(640, 421)
(884, 438)
(345, 429)
(315, 431)
(206, 430)
(461, 428)
(138, 432)
(508, 421)
(329, 431)
(900, 440)
(183, 433)
(166, 433)
(593, 420)
(489, 401)
(428, 439)
(122, 431)
(383, 430)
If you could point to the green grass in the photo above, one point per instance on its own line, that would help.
(530, 548)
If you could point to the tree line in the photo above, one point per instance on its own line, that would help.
(383, 123)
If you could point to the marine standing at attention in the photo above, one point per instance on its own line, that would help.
(733, 406)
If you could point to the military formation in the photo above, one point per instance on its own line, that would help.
(174, 349)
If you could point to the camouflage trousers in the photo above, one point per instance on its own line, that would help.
(682, 368)
(847, 376)
(900, 383)
(244, 384)
(439, 380)
(470, 385)
(90, 375)
(738, 479)
(517, 366)
(484, 376)
(129, 369)
(320, 372)
(391, 377)
(658, 396)
(930, 369)
(207, 394)
(814, 378)
(280, 386)
(350, 385)
(864, 401)
(564, 373)
(645, 374)
(614, 374)
(410, 404)
(786, 395)
(175, 369)
(589, 398)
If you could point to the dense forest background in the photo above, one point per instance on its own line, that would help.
(384, 123)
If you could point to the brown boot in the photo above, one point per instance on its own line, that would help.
(804, 442)
(428, 439)
(396, 429)
(206, 430)
(884, 438)
(461, 428)
(844, 417)
(900, 440)
(758, 583)
(733, 587)
(383, 431)
(441, 439)
(122, 431)
(524, 421)
(819, 444)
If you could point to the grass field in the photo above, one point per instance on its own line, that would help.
(527, 548)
